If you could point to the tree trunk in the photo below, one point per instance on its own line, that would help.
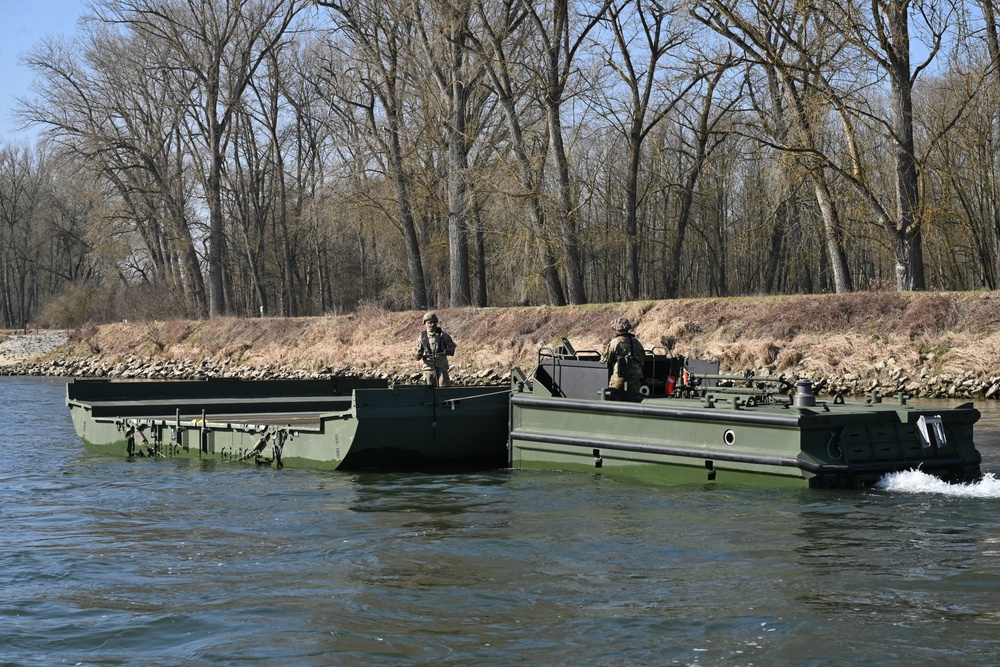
(530, 179)
(479, 245)
(842, 282)
(414, 264)
(993, 48)
(909, 257)
(909, 249)
(567, 211)
(632, 213)
(458, 205)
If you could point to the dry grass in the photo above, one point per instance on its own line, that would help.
(820, 335)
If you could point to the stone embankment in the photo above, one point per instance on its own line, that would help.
(927, 386)
(134, 368)
(20, 347)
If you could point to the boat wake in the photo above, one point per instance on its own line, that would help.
(915, 481)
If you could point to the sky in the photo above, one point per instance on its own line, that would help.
(24, 23)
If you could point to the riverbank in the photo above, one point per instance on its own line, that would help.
(24, 346)
(938, 345)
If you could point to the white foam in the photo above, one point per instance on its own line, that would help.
(915, 481)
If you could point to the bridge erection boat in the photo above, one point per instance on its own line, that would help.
(341, 423)
(691, 424)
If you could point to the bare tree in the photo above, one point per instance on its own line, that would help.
(502, 50)
(885, 37)
(775, 39)
(444, 38)
(20, 194)
(113, 102)
(644, 33)
(267, 91)
(706, 137)
(560, 34)
(991, 29)
(221, 45)
(380, 31)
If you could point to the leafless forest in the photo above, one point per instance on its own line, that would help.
(199, 158)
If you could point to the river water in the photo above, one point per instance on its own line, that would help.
(109, 562)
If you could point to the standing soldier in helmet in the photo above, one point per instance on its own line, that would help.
(434, 348)
(625, 354)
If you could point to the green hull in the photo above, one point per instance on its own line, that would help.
(563, 418)
(329, 424)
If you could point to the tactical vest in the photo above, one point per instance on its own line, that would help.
(439, 345)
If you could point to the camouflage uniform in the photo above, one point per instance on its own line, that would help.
(626, 355)
(433, 349)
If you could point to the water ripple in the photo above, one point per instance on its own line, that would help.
(110, 562)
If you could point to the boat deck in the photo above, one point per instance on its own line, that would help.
(285, 402)
(300, 412)
(260, 410)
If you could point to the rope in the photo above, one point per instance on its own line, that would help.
(829, 447)
(469, 398)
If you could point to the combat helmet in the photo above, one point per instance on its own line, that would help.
(430, 316)
(621, 325)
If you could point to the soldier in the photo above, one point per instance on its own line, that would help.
(626, 355)
(434, 348)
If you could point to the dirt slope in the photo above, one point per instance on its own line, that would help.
(886, 338)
